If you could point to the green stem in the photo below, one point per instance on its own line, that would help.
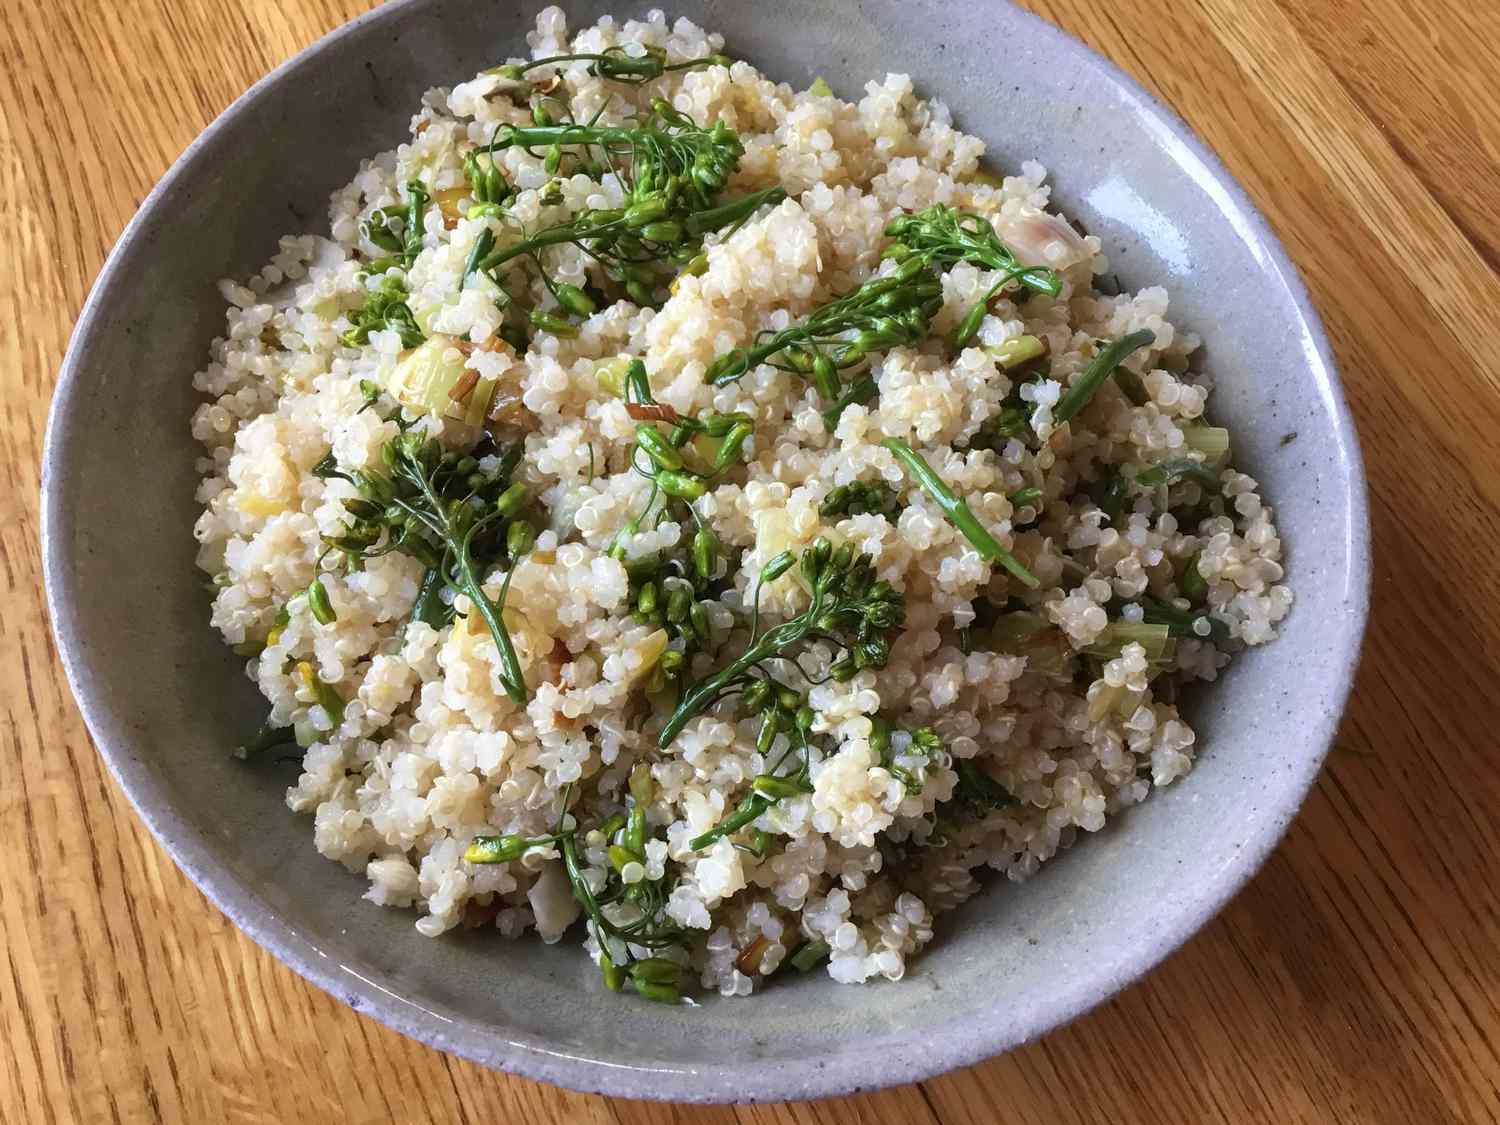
(513, 680)
(957, 511)
(705, 691)
(747, 811)
(1094, 376)
(552, 236)
(469, 583)
(537, 136)
(735, 211)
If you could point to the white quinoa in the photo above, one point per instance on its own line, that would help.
(431, 752)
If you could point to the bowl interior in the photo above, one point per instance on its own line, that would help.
(165, 700)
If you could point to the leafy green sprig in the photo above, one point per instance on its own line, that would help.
(625, 835)
(924, 743)
(783, 710)
(673, 169)
(438, 507)
(944, 236)
(384, 309)
(673, 592)
(849, 607)
(882, 313)
(613, 63)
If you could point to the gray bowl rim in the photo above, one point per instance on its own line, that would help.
(956, 1045)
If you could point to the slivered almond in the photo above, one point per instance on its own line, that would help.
(465, 385)
(651, 412)
(748, 962)
(448, 200)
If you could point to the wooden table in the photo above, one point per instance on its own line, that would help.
(1353, 981)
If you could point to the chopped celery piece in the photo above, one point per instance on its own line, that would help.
(1155, 639)
(1014, 629)
(1051, 655)
(1016, 351)
(611, 375)
(809, 956)
(1121, 700)
(1211, 441)
(820, 88)
(474, 406)
(1170, 472)
(424, 379)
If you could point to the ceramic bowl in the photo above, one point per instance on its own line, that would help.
(164, 700)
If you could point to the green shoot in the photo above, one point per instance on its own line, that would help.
(416, 211)
(1170, 472)
(1183, 622)
(808, 956)
(318, 603)
(1097, 373)
(746, 812)
(957, 511)
(504, 849)
(613, 63)
(1193, 585)
(430, 608)
(860, 391)
(1025, 497)
(268, 737)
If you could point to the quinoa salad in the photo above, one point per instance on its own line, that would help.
(710, 521)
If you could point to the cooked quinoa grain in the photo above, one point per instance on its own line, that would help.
(509, 590)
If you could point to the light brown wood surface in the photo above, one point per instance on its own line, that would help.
(1355, 980)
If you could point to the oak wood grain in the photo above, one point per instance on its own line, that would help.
(1353, 981)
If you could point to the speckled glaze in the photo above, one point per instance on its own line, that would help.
(164, 700)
